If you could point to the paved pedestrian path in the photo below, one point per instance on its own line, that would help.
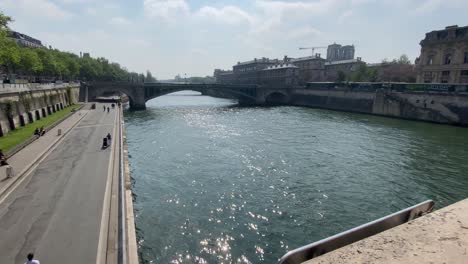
(57, 209)
(25, 158)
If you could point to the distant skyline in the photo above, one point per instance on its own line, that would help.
(170, 37)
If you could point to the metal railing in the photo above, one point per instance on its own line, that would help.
(326, 245)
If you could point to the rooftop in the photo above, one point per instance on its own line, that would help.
(280, 66)
(261, 60)
(343, 62)
(450, 33)
(307, 58)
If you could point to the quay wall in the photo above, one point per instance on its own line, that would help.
(24, 106)
(436, 107)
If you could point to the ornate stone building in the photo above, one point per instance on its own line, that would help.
(444, 56)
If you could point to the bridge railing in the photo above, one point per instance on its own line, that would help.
(393, 86)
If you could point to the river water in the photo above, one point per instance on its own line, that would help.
(218, 183)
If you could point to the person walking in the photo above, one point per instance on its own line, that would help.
(108, 109)
(3, 159)
(31, 259)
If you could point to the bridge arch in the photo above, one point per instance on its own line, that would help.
(276, 98)
(139, 94)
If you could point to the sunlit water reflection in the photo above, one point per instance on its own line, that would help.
(216, 183)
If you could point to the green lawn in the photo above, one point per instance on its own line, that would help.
(21, 134)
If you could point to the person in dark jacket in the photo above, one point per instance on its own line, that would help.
(3, 159)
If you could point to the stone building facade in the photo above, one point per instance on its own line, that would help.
(25, 40)
(292, 71)
(444, 56)
(280, 75)
(248, 72)
(311, 69)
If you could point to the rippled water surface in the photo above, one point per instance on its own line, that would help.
(217, 183)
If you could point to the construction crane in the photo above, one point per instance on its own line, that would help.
(312, 48)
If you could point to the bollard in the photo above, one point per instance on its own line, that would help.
(9, 171)
(59, 132)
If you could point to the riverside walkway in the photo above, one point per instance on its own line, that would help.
(57, 208)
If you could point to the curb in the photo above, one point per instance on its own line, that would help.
(30, 140)
(132, 245)
(39, 157)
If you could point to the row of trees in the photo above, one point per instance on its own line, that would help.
(195, 79)
(43, 63)
(397, 70)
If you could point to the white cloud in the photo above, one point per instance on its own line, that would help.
(429, 6)
(304, 32)
(165, 9)
(75, 1)
(37, 8)
(91, 11)
(344, 16)
(229, 14)
(295, 8)
(119, 21)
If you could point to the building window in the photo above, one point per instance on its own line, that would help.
(448, 59)
(464, 73)
(428, 77)
(430, 60)
(445, 73)
(465, 57)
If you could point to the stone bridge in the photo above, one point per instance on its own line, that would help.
(139, 93)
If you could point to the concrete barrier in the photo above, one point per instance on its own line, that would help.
(6, 172)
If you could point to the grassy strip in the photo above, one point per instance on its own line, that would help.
(21, 134)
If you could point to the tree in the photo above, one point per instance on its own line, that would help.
(361, 75)
(341, 77)
(10, 55)
(30, 63)
(4, 20)
(149, 77)
(53, 63)
(404, 60)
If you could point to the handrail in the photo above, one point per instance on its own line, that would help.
(342, 239)
(122, 234)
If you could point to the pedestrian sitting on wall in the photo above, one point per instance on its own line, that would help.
(36, 132)
(42, 131)
(3, 159)
(31, 259)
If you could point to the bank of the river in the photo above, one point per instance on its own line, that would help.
(216, 182)
(21, 134)
(435, 107)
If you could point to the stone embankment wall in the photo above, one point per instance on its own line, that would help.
(437, 107)
(28, 105)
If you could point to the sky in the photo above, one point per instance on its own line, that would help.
(194, 37)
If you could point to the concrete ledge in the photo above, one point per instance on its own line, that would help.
(439, 237)
(132, 247)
